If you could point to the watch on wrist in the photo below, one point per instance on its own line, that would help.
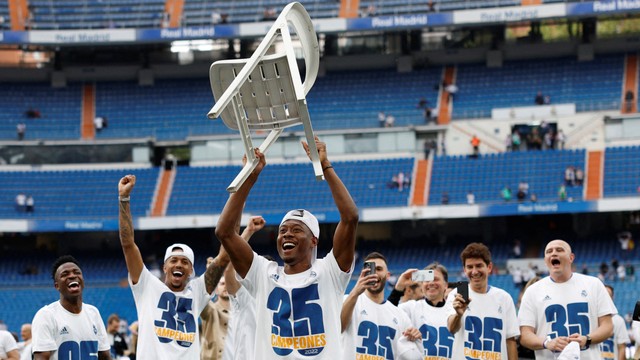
(588, 342)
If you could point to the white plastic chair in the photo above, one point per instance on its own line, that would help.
(265, 92)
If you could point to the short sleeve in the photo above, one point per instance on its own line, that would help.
(43, 334)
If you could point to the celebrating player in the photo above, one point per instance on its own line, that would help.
(485, 325)
(69, 328)
(298, 305)
(167, 312)
(565, 307)
(372, 326)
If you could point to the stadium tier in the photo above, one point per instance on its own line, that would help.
(69, 194)
(367, 180)
(55, 112)
(5, 24)
(486, 176)
(591, 85)
(622, 171)
(176, 109)
(95, 14)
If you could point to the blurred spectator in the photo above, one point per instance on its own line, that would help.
(604, 270)
(381, 118)
(402, 180)
(628, 100)
(585, 269)
(579, 175)
(445, 199)
(422, 103)
(32, 113)
(431, 6)
(621, 272)
(505, 193)
(560, 140)
(30, 204)
(516, 141)
(389, 121)
(116, 339)
(216, 18)
(429, 145)
(475, 143)
(523, 190)
(625, 239)
(21, 202)
(548, 140)
(562, 193)
(471, 198)
(539, 99)
(631, 271)
(133, 328)
(516, 251)
(452, 90)
(569, 176)
(547, 100)
(98, 123)
(21, 128)
(533, 198)
(516, 275)
(534, 141)
(613, 271)
(269, 13)
(508, 143)
(24, 346)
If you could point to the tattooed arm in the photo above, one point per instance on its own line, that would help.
(132, 255)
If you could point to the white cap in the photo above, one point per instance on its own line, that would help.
(186, 252)
(305, 217)
(570, 352)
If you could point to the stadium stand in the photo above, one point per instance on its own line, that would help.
(95, 14)
(73, 194)
(5, 23)
(200, 12)
(621, 171)
(59, 110)
(366, 180)
(515, 84)
(487, 175)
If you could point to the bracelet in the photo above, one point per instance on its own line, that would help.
(328, 167)
(544, 343)
(124, 199)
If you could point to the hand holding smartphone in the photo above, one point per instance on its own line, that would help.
(463, 289)
(422, 275)
(371, 266)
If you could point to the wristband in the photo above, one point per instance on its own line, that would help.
(544, 343)
(124, 199)
(328, 167)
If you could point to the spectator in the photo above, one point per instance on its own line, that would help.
(579, 177)
(471, 198)
(505, 193)
(216, 18)
(628, 100)
(534, 141)
(475, 144)
(516, 275)
(21, 202)
(523, 189)
(452, 90)
(117, 340)
(614, 347)
(630, 271)
(24, 347)
(560, 140)
(508, 143)
(382, 118)
(32, 113)
(570, 176)
(406, 289)
(516, 251)
(30, 204)
(547, 100)
(402, 181)
(429, 145)
(533, 198)
(389, 121)
(21, 129)
(539, 99)
(621, 272)
(548, 140)
(269, 13)
(562, 193)
(604, 270)
(98, 123)
(445, 199)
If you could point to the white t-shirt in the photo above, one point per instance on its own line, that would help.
(7, 343)
(489, 321)
(25, 353)
(168, 320)
(437, 341)
(375, 332)
(298, 315)
(241, 330)
(561, 309)
(609, 347)
(77, 336)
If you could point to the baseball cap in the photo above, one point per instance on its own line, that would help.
(306, 217)
(186, 252)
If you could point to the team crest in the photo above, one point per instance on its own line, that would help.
(583, 293)
(275, 277)
(95, 330)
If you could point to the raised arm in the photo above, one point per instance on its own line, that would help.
(344, 239)
(132, 255)
(350, 301)
(255, 224)
(239, 250)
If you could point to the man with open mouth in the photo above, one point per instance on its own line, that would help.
(167, 311)
(69, 328)
(565, 307)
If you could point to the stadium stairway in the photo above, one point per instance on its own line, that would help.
(594, 175)
(18, 14)
(445, 105)
(164, 187)
(88, 111)
(630, 84)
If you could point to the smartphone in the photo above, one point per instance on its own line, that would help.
(422, 275)
(463, 289)
(371, 265)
